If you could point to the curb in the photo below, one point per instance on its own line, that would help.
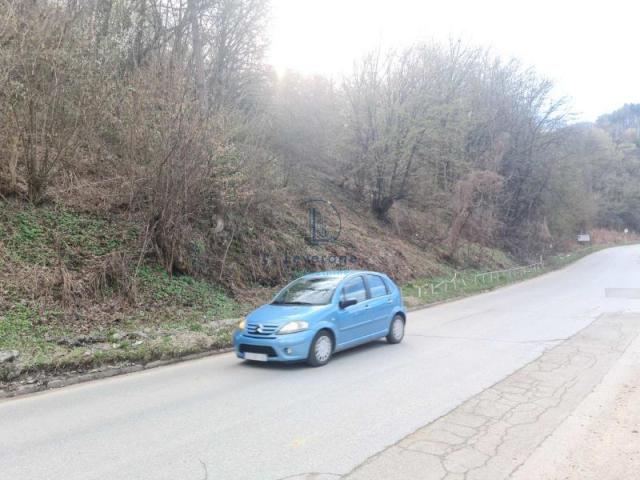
(60, 382)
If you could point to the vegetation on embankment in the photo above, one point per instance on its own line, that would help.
(68, 304)
(78, 292)
(67, 301)
(459, 284)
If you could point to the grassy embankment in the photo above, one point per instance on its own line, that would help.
(419, 292)
(52, 313)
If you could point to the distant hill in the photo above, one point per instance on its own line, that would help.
(624, 124)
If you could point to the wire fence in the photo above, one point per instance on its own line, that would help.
(462, 279)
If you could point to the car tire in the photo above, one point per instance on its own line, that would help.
(396, 330)
(321, 349)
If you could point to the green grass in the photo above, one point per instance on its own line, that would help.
(185, 291)
(43, 236)
(185, 318)
(419, 291)
(168, 333)
(558, 261)
(475, 256)
(181, 314)
(466, 284)
(20, 330)
(17, 326)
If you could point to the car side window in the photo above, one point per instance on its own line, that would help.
(354, 289)
(377, 287)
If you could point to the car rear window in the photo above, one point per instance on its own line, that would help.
(354, 289)
(377, 286)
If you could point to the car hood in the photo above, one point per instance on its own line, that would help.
(281, 314)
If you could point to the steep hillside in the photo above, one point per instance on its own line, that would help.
(79, 289)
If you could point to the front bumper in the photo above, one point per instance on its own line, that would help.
(284, 348)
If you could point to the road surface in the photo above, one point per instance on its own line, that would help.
(219, 418)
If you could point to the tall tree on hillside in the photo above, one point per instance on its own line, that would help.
(197, 54)
(405, 108)
(533, 132)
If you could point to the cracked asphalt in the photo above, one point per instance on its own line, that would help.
(476, 391)
(491, 435)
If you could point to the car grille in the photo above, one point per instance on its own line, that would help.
(261, 331)
(257, 349)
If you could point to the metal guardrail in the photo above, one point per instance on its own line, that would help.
(459, 279)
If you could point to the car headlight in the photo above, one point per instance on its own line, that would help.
(242, 324)
(293, 327)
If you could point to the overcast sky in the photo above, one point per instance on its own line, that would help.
(589, 48)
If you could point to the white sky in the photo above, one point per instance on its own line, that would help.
(591, 49)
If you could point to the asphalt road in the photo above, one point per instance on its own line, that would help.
(219, 418)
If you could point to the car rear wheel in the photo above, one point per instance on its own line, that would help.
(396, 330)
(321, 349)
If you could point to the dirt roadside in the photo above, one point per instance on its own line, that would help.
(600, 440)
(571, 414)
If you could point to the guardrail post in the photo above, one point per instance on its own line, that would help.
(482, 277)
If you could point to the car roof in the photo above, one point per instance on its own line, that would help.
(340, 273)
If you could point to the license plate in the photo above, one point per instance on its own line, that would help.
(258, 357)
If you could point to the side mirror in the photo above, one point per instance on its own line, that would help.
(347, 303)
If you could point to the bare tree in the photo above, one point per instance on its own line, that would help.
(405, 107)
(49, 95)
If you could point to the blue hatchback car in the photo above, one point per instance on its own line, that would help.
(322, 313)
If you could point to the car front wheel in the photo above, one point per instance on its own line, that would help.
(321, 349)
(396, 330)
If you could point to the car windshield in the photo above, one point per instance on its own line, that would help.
(308, 291)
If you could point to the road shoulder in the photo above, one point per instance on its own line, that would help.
(600, 440)
(493, 434)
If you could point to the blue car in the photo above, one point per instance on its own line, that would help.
(322, 313)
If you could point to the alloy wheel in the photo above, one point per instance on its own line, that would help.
(322, 348)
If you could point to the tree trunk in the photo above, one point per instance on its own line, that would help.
(198, 59)
(13, 165)
(137, 54)
(104, 19)
(177, 51)
(34, 180)
(455, 232)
